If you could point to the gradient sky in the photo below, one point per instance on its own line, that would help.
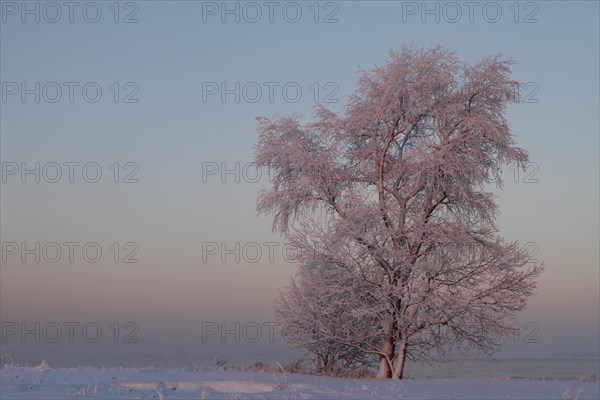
(171, 134)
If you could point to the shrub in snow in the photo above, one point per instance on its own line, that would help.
(588, 378)
(568, 396)
(221, 363)
(7, 358)
(259, 366)
(281, 382)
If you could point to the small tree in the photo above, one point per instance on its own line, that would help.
(316, 308)
(391, 199)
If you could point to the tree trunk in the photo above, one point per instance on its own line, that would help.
(399, 368)
(387, 347)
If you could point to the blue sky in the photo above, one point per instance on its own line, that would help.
(167, 60)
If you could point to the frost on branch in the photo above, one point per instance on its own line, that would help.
(389, 209)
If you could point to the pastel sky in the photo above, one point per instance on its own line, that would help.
(173, 61)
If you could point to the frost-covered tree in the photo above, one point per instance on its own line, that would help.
(390, 204)
(313, 315)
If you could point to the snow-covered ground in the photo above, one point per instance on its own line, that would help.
(64, 383)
